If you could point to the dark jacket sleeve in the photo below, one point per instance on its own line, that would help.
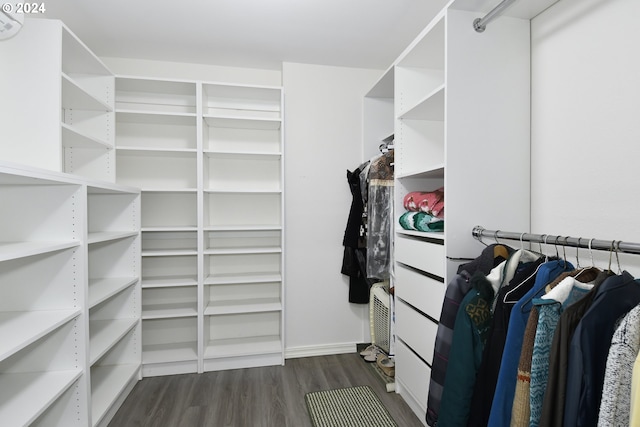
(466, 355)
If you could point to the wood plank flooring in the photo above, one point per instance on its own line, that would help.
(257, 397)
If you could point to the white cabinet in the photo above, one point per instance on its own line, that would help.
(209, 159)
(69, 314)
(57, 109)
(459, 104)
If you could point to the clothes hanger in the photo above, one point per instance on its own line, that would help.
(617, 245)
(543, 239)
(506, 296)
(610, 255)
(564, 250)
(593, 264)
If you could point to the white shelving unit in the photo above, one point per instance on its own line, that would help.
(457, 102)
(49, 74)
(242, 226)
(59, 288)
(209, 159)
(157, 150)
(114, 297)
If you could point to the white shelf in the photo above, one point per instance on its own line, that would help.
(155, 117)
(252, 227)
(72, 137)
(25, 396)
(74, 97)
(165, 311)
(248, 250)
(249, 305)
(154, 96)
(15, 250)
(240, 191)
(169, 190)
(169, 252)
(167, 353)
(439, 235)
(229, 279)
(437, 171)
(102, 289)
(105, 334)
(32, 325)
(168, 282)
(169, 228)
(243, 347)
(108, 188)
(241, 122)
(78, 58)
(383, 88)
(431, 107)
(254, 153)
(155, 150)
(106, 236)
(107, 383)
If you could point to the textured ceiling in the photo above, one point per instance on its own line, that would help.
(249, 33)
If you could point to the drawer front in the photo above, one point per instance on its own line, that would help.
(416, 330)
(413, 373)
(421, 254)
(422, 292)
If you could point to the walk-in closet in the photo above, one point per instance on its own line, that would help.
(319, 213)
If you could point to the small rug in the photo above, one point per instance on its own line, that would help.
(348, 407)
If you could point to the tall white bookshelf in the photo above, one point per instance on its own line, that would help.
(69, 303)
(243, 226)
(209, 160)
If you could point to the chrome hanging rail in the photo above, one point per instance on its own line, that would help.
(480, 24)
(576, 242)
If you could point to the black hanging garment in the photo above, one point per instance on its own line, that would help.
(354, 242)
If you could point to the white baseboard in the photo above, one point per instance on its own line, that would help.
(319, 350)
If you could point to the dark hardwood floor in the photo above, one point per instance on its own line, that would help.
(256, 397)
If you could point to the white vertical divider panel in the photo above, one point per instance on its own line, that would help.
(201, 234)
(30, 87)
(282, 228)
(487, 128)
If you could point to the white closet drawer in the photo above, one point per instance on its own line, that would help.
(421, 254)
(413, 375)
(416, 330)
(419, 290)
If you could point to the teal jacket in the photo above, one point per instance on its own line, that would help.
(469, 337)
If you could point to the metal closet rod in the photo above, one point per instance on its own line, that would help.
(577, 242)
(480, 24)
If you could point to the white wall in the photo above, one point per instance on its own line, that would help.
(323, 138)
(586, 122)
(178, 70)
